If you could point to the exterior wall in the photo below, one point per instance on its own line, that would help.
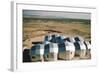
(42, 58)
(68, 55)
(35, 58)
(77, 52)
(62, 55)
(80, 53)
(88, 52)
(50, 57)
(71, 55)
(37, 53)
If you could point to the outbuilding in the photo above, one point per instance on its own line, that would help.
(88, 48)
(36, 52)
(66, 51)
(80, 49)
(51, 52)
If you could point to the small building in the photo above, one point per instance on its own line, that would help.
(71, 49)
(61, 51)
(66, 51)
(88, 48)
(50, 52)
(36, 52)
(80, 49)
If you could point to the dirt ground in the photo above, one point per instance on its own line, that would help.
(35, 30)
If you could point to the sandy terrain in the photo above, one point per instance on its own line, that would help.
(35, 30)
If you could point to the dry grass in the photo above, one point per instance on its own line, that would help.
(35, 30)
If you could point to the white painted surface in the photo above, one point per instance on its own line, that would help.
(41, 49)
(69, 46)
(88, 45)
(53, 47)
(72, 39)
(82, 45)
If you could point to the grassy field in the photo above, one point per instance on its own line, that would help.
(36, 29)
